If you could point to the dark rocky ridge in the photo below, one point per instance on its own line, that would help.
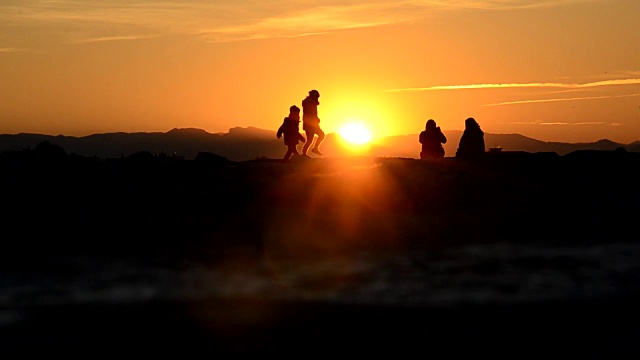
(60, 209)
(148, 200)
(242, 144)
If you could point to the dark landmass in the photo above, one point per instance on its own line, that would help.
(61, 208)
(581, 196)
(243, 144)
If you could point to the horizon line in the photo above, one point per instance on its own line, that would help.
(329, 133)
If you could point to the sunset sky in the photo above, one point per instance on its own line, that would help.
(554, 70)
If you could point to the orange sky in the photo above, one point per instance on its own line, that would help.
(554, 70)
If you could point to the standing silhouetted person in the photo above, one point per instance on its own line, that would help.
(472, 141)
(432, 139)
(311, 122)
(290, 128)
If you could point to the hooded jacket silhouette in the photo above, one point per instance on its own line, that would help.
(432, 139)
(311, 123)
(472, 141)
(290, 130)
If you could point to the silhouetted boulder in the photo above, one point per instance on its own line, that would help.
(83, 160)
(141, 156)
(523, 155)
(48, 152)
(209, 158)
(597, 155)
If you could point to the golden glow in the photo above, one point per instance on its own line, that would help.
(355, 133)
(171, 67)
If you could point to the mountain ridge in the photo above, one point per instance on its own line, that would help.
(248, 143)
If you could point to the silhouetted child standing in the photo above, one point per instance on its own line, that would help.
(290, 128)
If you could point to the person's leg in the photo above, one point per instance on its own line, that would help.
(289, 153)
(316, 147)
(310, 135)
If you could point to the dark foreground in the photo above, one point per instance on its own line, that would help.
(517, 255)
(599, 329)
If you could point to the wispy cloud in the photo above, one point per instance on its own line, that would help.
(560, 99)
(498, 4)
(620, 74)
(112, 38)
(563, 123)
(118, 18)
(319, 20)
(564, 86)
(522, 85)
(229, 20)
(360, 14)
(573, 124)
(12, 50)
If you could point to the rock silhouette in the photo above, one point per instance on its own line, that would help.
(64, 214)
(244, 144)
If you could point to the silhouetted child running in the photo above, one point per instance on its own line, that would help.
(290, 128)
(311, 123)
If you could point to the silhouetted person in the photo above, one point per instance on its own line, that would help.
(290, 128)
(472, 141)
(311, 123)
(432, 139)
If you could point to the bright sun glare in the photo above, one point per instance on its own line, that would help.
(355, 133)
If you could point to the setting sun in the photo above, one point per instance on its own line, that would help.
(355, 133)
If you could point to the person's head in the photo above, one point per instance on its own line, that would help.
(471, 123)
(431, 124)
(314, 94)
(294, 112)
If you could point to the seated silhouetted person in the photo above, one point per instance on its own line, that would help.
(432, 139)
(472, 141)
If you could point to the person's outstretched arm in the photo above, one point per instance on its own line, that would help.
(443, 139)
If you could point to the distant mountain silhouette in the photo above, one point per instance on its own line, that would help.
(634, 146)
(241, 144)
(408, 146)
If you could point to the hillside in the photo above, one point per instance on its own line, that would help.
(241, 144)
(147, 254)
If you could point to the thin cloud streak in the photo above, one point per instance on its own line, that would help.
(499, 5)
(572, 124)
(113, 38)
(321, 20)
(326, 19)
(560, 99)
(159, 17)
(522, 85)
(12, 50)
(562, 123)
(226, 20)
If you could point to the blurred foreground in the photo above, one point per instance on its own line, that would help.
(519, 253)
